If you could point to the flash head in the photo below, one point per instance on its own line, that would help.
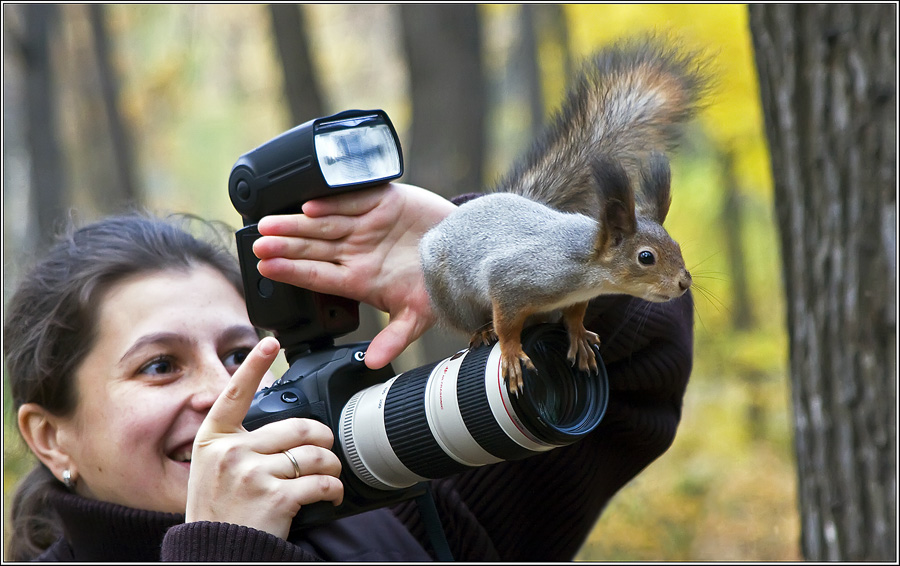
(350, 150)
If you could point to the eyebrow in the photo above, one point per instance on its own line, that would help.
(232, 333)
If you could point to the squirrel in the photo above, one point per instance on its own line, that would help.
(567, 223)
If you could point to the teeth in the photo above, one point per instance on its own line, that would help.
(184, 456)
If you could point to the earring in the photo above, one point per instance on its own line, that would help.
(67, 479)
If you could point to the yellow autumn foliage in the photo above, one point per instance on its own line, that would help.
(733, 117)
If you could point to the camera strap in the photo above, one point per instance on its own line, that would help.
(434, 529)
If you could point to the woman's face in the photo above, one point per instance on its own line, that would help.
(167, 344)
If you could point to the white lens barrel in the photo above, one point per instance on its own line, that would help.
(502, 408)
(375, 451)
(365, 442)
(446, 421)
(457, 414)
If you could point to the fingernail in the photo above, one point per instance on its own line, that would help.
(269, 346)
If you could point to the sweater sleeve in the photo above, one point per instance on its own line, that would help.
(205, 541)
(542, 508)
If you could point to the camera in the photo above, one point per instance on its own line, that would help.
(392, 432)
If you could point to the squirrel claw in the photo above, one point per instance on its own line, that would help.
(581, 350)
(512, 369)
(483, 337)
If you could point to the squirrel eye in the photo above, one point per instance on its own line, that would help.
(646, 258)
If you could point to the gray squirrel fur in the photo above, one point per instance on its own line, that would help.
(566, 224)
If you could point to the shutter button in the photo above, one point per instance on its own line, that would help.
(289, 397)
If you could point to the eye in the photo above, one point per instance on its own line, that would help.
(646, 258)
(234, 360)
(161, 365)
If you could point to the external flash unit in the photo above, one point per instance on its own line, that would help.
(348, 151)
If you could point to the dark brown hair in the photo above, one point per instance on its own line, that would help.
(51, 323)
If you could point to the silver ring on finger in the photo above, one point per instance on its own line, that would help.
(293, 460)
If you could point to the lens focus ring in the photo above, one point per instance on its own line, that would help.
(408, 431)
(350, 448)
(476, 410)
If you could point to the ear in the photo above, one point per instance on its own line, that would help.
(656, 181)
(616, 197)
(40, 429)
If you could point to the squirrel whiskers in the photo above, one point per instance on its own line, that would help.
(580, 216)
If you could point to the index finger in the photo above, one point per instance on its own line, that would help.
(229, 410)
(346, 204)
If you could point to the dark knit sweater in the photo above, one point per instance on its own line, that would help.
(537, 509)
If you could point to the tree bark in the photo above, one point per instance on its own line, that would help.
(447, 140)
(126, 193)
(733, 229)
(528, 60)
(48, 187)
(826, 76)
(300, 85)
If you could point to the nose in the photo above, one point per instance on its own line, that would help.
(685, 282)
(208, 384)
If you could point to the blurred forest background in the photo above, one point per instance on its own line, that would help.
(154, 103)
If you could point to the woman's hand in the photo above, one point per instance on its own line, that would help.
(361, 245)
(245, 478)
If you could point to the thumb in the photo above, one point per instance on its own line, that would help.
(229, 410)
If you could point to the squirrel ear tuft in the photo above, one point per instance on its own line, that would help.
(656, 182)
(616, 197)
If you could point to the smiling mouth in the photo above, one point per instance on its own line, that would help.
(181, 456)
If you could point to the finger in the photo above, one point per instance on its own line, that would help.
(269, 247)
(317, 276)
(348, 204)
(288, 433)
(311, 460)
(329, 227)
(231, 407)
(312, 489)
(393, 340)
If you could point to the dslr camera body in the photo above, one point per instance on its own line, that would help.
(393, 433)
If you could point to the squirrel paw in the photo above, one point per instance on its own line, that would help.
(511, 366)
(581, 351)
(484, 336)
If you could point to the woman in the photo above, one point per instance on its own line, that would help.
(133, 361)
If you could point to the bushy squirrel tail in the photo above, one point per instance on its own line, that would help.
(630, 99)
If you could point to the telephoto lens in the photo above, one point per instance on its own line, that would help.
(456, 414)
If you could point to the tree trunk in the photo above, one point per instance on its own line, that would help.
(733, 228)
(300, 85)
(48, 187)
(126, 192)
(827, 82)
(527, 59)
(443, 48)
